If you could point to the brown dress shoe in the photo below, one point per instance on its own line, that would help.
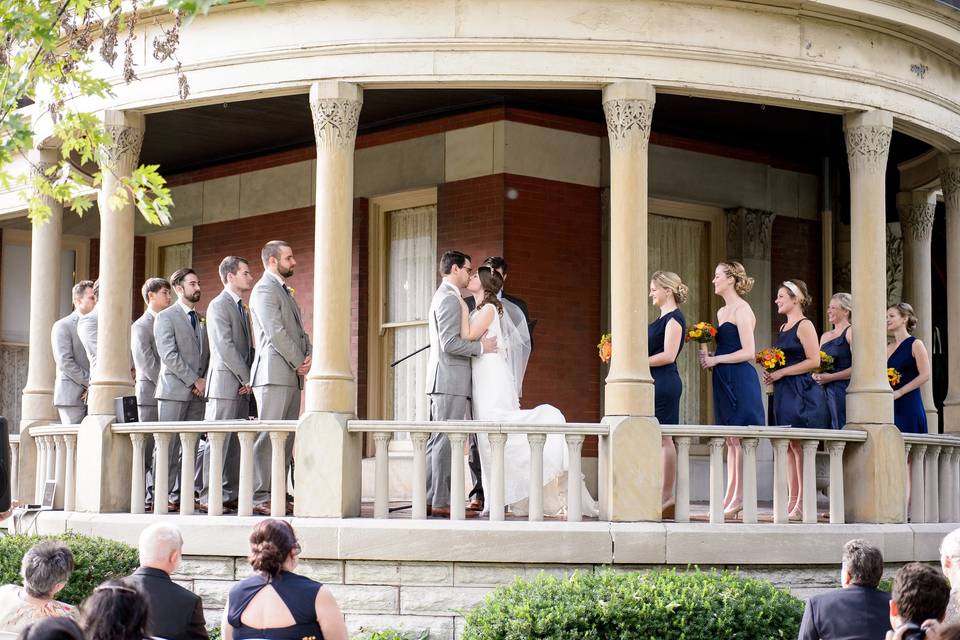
(444, 512)
(475, 505)
(262, 509)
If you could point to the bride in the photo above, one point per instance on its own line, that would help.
(496, 385)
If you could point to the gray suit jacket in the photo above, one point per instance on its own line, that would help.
(448, 368)
(282, 344)
(146, 360)
(231, 353)
(73, 368)
(184, 353)
(87, 330)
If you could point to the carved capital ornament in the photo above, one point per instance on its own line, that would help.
(335, 122)
(122, 153)
(917, 220)
(868, 148)
(628, 122)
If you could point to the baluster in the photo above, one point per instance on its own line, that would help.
(931, 503)
(603, 453)
(917, 513)
(837, 514)
(682, 508)
(161, 483)
(419, 507)
(457, 442)
(138, 483)
(70, 489)
(497, 443)
(716, 480)
(955, 463)
(245, 490)
(278, 474)
(780, 488)
(810, 481)
(906, 502)
(215, 446)
(41, 444)
(536, 441)
(14, 470)
(945, 479)
(51, 459)
(749, 479)
(188, 466)
(59, 470)
(381, 477)
(574, 477)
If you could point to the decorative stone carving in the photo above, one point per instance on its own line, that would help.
(628, 122)
(335, 122)
(894, 266)
(749, 233)
(950, 183)
(916, 219)
(122, 154)
(868, 148)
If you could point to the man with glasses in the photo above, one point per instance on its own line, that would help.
(950, 563)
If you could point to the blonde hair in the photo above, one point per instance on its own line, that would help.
(742, 283)
(671, 282)
(906, 311)
(797, 289)
(845, 300)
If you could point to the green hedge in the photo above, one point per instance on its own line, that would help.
(96, 559)
(658, 604)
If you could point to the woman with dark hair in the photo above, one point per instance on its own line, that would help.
(52, 629)
(275, 603)
(114, 611)
(45, 570)
(908, 356)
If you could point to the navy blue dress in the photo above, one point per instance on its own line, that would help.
(298, 593)
(736, 387)
(908, 412)
(836, 391)
(798, 401)
(667, 386)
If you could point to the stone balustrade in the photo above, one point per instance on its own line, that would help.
(57, 460)
(14, 464)
(934, 478)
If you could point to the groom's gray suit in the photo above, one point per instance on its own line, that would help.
(448, 386)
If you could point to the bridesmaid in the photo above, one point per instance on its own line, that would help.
(736, 389)
(797, 400)
(664, 341)
(836, 343)
(908, 356)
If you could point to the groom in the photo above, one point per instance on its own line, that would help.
(448, 373)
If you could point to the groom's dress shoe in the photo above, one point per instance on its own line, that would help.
(444, 512)
(475, 505)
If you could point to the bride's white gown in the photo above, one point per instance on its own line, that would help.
(495, 400)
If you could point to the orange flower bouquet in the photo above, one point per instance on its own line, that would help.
(606, 347)
(702, 332)
(894, 377)
(771, 359)
(826, 363)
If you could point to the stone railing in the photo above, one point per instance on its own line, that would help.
(750, 437)
(458, 431)
(57, 460)
(934, 466)
(14, 464)
(217, 432)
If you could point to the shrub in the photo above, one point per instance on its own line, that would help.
(656, 604)
(96, 560)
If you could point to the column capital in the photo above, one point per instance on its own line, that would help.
(628, 107)
(868, 136)
(335, 107)
(950, 179)
(917, 210)
(122, 153)
(749, 233)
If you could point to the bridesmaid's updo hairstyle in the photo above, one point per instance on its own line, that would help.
(845, 302)
(671, 282)
(270, 544)
(492, 283)
(742, 283)
(906, 311)
(797, 290)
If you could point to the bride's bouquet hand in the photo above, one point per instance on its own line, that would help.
(706, 359)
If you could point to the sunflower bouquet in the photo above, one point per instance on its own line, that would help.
(893, 376)
(702, 332)
(605, 347)
(826, 363)
(771, 359)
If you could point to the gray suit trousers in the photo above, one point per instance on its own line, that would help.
(74, 414)
(221, 409)
(274, 402)
(148, 413)
(177, 411)
(442, 407)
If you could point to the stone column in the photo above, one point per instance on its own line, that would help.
(631, 482)
(874, 471)
(917, 210)
(45, 251)
(328, 456)
(104, 485)
(950, 183)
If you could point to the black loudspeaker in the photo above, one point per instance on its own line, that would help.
(126, 409)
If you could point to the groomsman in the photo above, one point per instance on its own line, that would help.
(73, 367)
(143, 347)
(87, 329)
(184, 355)
(281, 360)
(228, 385)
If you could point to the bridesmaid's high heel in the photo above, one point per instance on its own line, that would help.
(669, 511)
(734, 511)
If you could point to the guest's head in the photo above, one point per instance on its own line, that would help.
(156, 293)
(861, 565)
(731, 277)
(96, 289)
(161, 547)
(840, 308)
(46, 568)
(901, 316)
(186, 283)
(273, 547)
(666, 286)
(61, 628)
(792, 295)
(499, 264)
(235, 273)
(277, 257)
(83, 299)
(920, 592)
(114, 611)
(455, 267)
(950, 557)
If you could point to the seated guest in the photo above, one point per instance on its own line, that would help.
(52, 629)
(857, 610)
(276, 603)
(115, 611)
(175, 613)
(950, 563)
(45, 570)
(920, 594)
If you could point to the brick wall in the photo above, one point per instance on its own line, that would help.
(470, 217)
(358, 301)
(797, 253)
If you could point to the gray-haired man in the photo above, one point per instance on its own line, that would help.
(73, 367)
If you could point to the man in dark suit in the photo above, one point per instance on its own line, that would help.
(856, 611)
(175, 613)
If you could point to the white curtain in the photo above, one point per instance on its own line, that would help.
(411, 251)
(681, 246)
